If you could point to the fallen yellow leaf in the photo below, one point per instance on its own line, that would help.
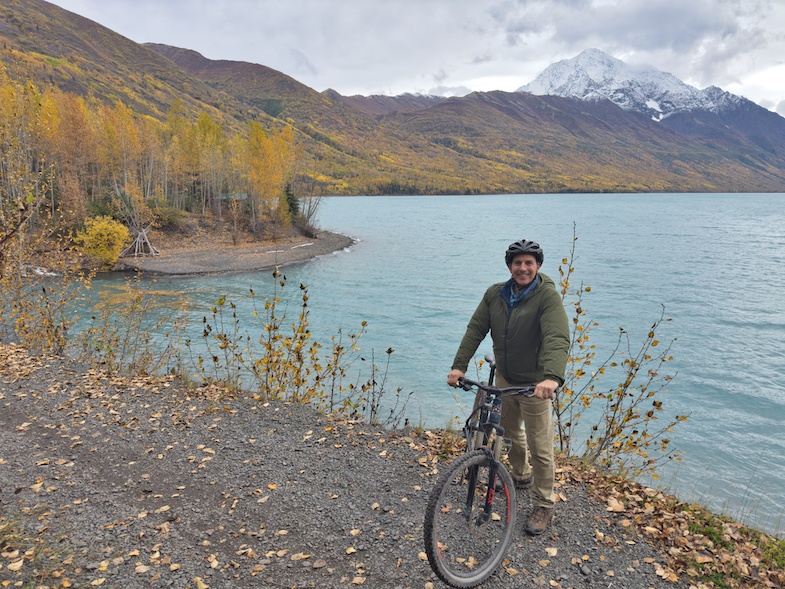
(651, 530)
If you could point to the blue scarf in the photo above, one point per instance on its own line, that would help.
(508, 291)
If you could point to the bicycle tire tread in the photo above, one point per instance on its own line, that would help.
(472, 578)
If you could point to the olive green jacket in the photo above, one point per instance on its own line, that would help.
(530, 340)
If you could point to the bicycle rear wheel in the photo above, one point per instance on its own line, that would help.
(464, 542)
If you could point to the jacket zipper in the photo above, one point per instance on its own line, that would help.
(510, 309)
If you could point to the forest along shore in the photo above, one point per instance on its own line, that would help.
(211, 258)
(148, 482)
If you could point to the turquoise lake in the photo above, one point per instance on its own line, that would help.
(714, 262)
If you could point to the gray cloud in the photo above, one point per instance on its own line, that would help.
(701, 38)
(440, 76)
(302, 63)
(449, 91)
(396, 46)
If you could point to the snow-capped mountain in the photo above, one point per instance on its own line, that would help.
(594, 75)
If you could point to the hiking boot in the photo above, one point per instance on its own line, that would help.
(538, 521)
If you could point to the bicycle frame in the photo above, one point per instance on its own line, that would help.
(487, 428)
(482, 427)
(482, 403)
(487, 411)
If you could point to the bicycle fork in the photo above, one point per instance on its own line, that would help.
(493, 426)
(485, 516)
(490, 492)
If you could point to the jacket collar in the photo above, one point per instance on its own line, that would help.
(508, 291)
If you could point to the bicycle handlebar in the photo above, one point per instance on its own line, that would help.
(467, 385)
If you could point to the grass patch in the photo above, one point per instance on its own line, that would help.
(30, 555)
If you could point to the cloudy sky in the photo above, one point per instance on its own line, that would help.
(456, 46)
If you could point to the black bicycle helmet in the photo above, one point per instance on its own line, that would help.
(524, 246)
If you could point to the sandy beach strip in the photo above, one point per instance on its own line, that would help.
(246, 257)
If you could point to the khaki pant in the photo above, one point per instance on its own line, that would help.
(532, 447)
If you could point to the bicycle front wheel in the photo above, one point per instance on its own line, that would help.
(469, 520)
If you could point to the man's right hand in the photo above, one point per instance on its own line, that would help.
(453, 376)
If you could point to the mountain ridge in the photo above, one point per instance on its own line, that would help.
(593, 75)
(453, 135)
(484, 142)
(55, 47)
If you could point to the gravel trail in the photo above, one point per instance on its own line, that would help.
(141, 482)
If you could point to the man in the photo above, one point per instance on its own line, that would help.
(531, 339)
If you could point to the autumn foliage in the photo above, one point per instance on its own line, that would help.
(624, 434)
(103, 238)
(66, 159)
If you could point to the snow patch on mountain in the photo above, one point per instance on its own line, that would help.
(594, 75)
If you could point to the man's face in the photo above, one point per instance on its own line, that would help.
(524, 269)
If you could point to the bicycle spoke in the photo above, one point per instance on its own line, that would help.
(466, 542)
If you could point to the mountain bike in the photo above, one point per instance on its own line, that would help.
(471, 512)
